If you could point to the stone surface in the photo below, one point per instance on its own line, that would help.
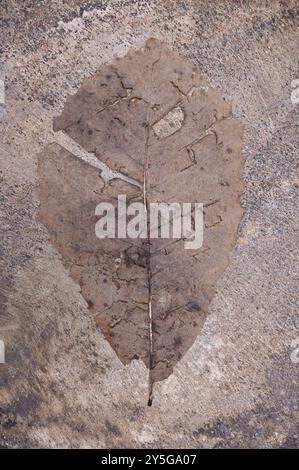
(62, 384)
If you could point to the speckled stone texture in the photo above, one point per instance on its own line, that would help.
(62, 384)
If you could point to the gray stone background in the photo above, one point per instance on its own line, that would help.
(62, 384)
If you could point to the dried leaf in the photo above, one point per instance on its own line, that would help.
(164, 136)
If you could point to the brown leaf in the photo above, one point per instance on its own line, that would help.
(151, 117)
